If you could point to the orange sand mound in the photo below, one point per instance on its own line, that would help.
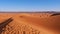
(30, 23)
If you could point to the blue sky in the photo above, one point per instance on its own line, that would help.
(29, 5)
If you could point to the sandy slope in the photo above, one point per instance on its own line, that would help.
(31, 23)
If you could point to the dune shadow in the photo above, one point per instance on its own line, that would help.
(4, 23)
(55, 14)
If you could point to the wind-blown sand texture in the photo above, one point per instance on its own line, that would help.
(29, 23)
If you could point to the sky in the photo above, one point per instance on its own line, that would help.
(29, 5)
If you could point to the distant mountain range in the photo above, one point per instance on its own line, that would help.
(29, 11)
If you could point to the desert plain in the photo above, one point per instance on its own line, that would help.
(29, 23)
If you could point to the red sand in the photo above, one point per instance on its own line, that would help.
(31, 23)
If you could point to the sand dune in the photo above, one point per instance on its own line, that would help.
(30, 23)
